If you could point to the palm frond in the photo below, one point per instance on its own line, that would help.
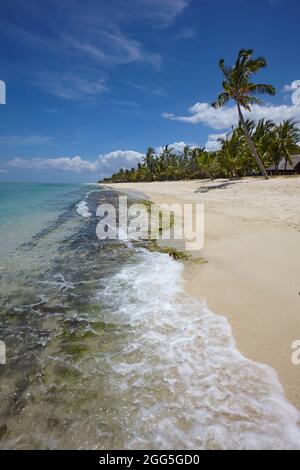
(255, 65)
(246, 101)
(226, 70)
(222, 64)
(261, 88)
(243, 56)
(291, 124)
(222, 99)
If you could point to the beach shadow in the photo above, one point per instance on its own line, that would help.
(222, 185)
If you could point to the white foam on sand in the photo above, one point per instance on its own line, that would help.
(183, 383)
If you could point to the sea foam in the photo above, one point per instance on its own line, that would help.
(188, 386)
(82, 209)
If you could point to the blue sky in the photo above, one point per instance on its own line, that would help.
(90, 85)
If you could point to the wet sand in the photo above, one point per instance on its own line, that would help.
(252, 274)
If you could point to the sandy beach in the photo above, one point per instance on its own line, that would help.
(252, 269)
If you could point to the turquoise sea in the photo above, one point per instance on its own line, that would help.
(104, 348)
(25, 209)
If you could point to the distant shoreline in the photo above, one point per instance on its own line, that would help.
(252, 273)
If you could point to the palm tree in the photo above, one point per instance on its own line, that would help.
(149, 161)
(206, 163)
(264, 138)
(231, 152)
(238, 87)
(287, 135)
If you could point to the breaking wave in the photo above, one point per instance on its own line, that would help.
(189, 386)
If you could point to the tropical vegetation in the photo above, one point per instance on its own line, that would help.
(237, 86)
(267, 142)
(233, 159)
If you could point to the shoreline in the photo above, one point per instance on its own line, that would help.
(252, 271)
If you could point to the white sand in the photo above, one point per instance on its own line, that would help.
(252, 275)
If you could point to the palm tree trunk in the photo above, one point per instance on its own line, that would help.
(287, 157)
(251, 144)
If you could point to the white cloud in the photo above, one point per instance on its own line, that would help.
(185, 33)
(119, 158)
(75, 164)
(27, 141)
(224, 118)
(125, 50)
(204, 113)
(94, 31)
(103, 164)
(71, 86)
(84, 47)
(176, 147)
(112, 46)
(163, 11)
(156, 91)
(213, 144)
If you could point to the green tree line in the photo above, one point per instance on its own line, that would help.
(247, 150)
(233, 159)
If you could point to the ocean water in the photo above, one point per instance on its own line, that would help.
(104, 348)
